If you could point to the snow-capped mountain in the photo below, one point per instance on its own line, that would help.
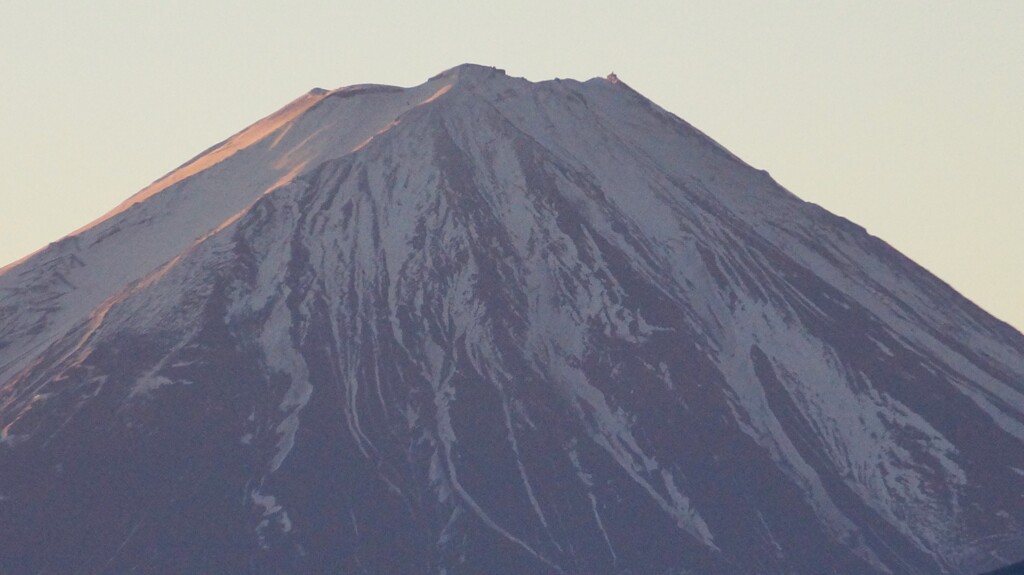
(484, 325)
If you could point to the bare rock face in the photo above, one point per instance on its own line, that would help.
(484, 325)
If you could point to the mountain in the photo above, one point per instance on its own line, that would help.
(485, 325)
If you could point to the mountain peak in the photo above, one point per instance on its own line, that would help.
(469, 70)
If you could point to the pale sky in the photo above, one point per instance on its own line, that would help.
(906, 117)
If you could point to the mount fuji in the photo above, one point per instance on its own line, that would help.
(484, 325)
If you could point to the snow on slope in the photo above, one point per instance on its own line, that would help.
(45, 294)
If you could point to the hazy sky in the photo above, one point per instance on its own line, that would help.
(906, 117)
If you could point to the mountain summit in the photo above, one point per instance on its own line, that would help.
(485, 325)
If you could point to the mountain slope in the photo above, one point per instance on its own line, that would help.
(1015, 569)
(484, 325)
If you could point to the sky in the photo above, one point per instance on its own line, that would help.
(904, 116)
